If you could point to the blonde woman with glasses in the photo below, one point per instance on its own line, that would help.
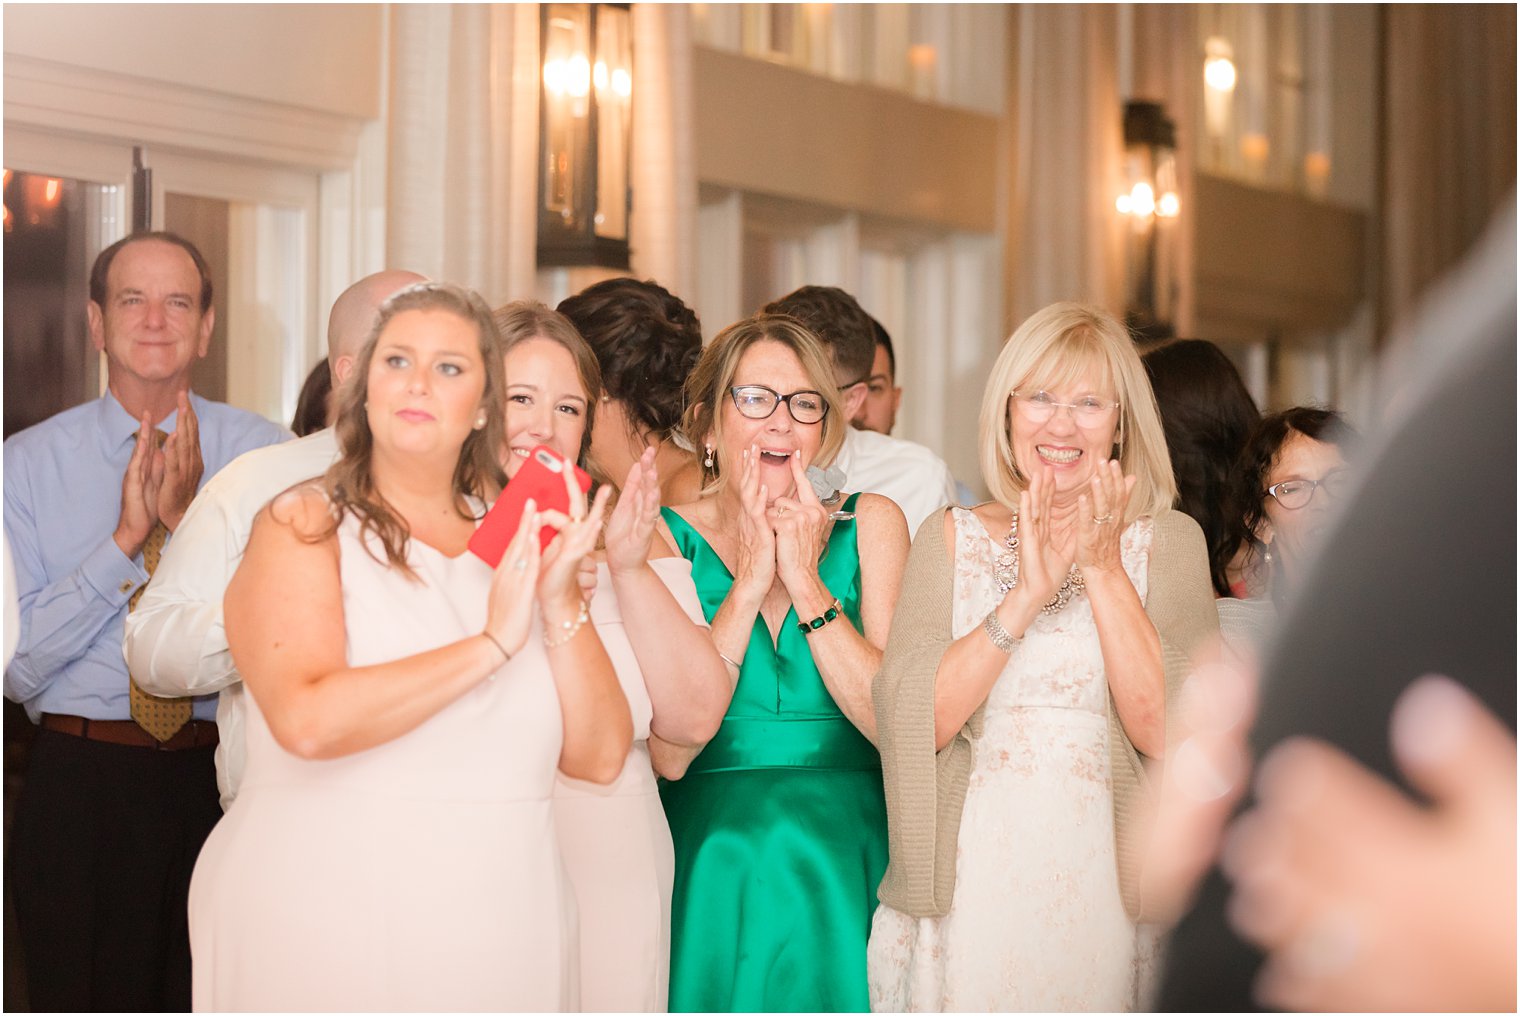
(1030, 669)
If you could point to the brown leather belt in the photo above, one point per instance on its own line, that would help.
(194, 734)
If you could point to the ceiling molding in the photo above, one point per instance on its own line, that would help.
(64, 97)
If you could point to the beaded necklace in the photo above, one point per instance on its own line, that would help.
(1006, 571)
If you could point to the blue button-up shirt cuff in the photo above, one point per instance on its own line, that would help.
(112, 574)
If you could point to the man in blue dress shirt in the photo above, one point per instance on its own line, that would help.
(119, 794)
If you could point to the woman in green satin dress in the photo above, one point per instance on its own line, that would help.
(779, 821)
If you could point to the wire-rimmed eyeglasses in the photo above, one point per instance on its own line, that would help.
(1294, 494)
(757, 402)
(1089, 410)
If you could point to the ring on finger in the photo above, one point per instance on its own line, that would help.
(520, 564)
(1100, 520)
(781, 509)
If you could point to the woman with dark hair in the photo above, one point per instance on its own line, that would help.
(314, 405)
(392, 846)
(1286, 482)
(647, 342)
(1206, 414)
(614, 839)
(777, 816)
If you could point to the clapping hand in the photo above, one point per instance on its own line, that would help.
(139, 491)
(510, 607)
(1043, 565)
(630, 528)
(576, 537)
(799, 523)
(181, 465)
(1100, 518)
(755, 567)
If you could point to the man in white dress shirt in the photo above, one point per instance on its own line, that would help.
(908, 473)
(175, 641)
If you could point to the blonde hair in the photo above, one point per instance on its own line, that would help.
(707, 388)
(1054, 348)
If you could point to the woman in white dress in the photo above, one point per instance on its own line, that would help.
(1028, 673)
(614, 838)
(393, 847)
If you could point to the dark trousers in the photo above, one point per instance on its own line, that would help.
(104, 841)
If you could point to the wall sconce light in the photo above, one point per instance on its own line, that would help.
(1218, 86)
(1151, 205)
(585, 118)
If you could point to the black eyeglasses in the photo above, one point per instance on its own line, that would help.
(757, 402)
(1295, 494)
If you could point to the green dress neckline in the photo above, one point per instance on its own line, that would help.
(779, 825)
(702, 555)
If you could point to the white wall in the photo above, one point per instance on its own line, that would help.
(316, 56)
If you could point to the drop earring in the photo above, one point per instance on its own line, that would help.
(707, 463)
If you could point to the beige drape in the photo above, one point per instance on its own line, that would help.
(1449, 149)
(462, 140)
(664, 172)
(1066, 150)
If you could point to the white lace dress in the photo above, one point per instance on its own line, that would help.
(1036, 922)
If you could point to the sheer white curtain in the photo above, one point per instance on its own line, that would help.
(1064, 239)
(462, 140)
(664, 172)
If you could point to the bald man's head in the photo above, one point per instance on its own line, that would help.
(354, 313)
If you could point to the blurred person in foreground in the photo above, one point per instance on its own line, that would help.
(1033, 662)
(1376, 867)
(646, 343)
(1206, 414)
(393, 844)
(778, 820)
(614, 839)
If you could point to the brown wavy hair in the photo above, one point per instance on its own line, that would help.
(707, 389)
(349, 483)
(522, 320)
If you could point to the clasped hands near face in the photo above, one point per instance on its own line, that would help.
(160, 482)
(780, 536)
(1361, 897)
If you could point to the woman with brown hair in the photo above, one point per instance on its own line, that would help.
(614, 839)
(393, 846)
(777, 817)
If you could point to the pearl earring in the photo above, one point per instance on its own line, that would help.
(480, 421)
(708, 462)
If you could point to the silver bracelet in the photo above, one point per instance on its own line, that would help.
(567, 629)
(731, 663)
(1002, 639)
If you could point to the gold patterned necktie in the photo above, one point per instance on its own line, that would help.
(161, 717)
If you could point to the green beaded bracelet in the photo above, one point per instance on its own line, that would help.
(808, 627)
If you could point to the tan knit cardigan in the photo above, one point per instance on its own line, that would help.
(926, 790)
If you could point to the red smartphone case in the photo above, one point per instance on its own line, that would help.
(540, 478)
